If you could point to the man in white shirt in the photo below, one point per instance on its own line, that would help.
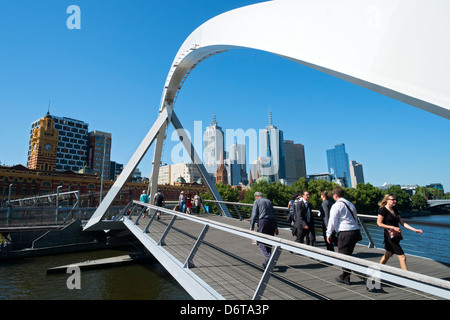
(343, 219)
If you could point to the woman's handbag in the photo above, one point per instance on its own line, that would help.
(395, 234)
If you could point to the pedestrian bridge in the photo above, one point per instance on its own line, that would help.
(213, 257)
(437, 203)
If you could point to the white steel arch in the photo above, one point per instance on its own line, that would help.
(397, 48)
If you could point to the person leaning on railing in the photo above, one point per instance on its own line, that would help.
(389, 219)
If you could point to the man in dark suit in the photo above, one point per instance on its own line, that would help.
(267, 222)
(304, 220)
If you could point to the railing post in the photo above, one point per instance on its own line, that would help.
(131, 212)
(366, 231)
(150, 222)
(161, 241)
(124, 210)
(57, 203)
(266, 275)
(238, 212)
(140, 214)
(189, 263)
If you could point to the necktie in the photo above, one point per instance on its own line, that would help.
(307, 212)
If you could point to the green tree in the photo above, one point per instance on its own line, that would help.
(227, 192)
(403, 201)
(299, 185)
(278, 193)
(366, 198)
(424, 192)
(418, 201)
(315, 188)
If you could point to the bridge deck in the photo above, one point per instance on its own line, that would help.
(232, 265)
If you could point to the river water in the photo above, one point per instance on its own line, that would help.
(27, 279)
(433, 243)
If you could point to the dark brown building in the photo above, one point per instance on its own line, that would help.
(221, 173)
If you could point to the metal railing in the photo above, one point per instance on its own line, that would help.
(28, 217)
(434, 243)
(15, 218)
(201, 290)
(47, 199)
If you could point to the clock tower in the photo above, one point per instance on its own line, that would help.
(44, 144)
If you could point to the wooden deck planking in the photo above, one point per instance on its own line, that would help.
(232, 265)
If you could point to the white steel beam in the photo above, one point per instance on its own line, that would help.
(129, 169)
(210, 185)
(153, 186)
(194, 285)
(393, 47)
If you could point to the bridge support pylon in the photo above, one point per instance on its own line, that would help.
(158, 132)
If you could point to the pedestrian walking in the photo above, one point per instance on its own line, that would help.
(389, 219)
(343, 220)
(324, 210)
(188, 204)
(267, 222)
(304, 220)
(158, 200)
(182, 202)
(197, 202)
(291, 215)
(144, 198)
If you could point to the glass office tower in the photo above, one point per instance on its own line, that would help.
(338, 165)
(271, 153)
(214, 147)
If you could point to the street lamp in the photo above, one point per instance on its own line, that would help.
(8, 215)
(103, 166)
(9, 194)
(57, 203)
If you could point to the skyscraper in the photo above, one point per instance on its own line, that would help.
(100, 153)
(295, 164)
(214, 147)
(236, 164)
(356, 173)
(338, 164)
(271, 153)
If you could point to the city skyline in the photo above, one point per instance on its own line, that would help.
(111, 72)
(336, 157)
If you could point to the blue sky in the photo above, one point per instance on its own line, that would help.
(111, 73)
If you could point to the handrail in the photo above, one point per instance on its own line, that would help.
(315, 212)
(35, 198)
(435, 286)
(364, 216)
(361, 218)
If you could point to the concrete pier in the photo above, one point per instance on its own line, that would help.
(102, 263)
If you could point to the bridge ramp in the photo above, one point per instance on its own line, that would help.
(232, 265)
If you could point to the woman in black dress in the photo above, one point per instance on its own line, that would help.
(389, 219)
